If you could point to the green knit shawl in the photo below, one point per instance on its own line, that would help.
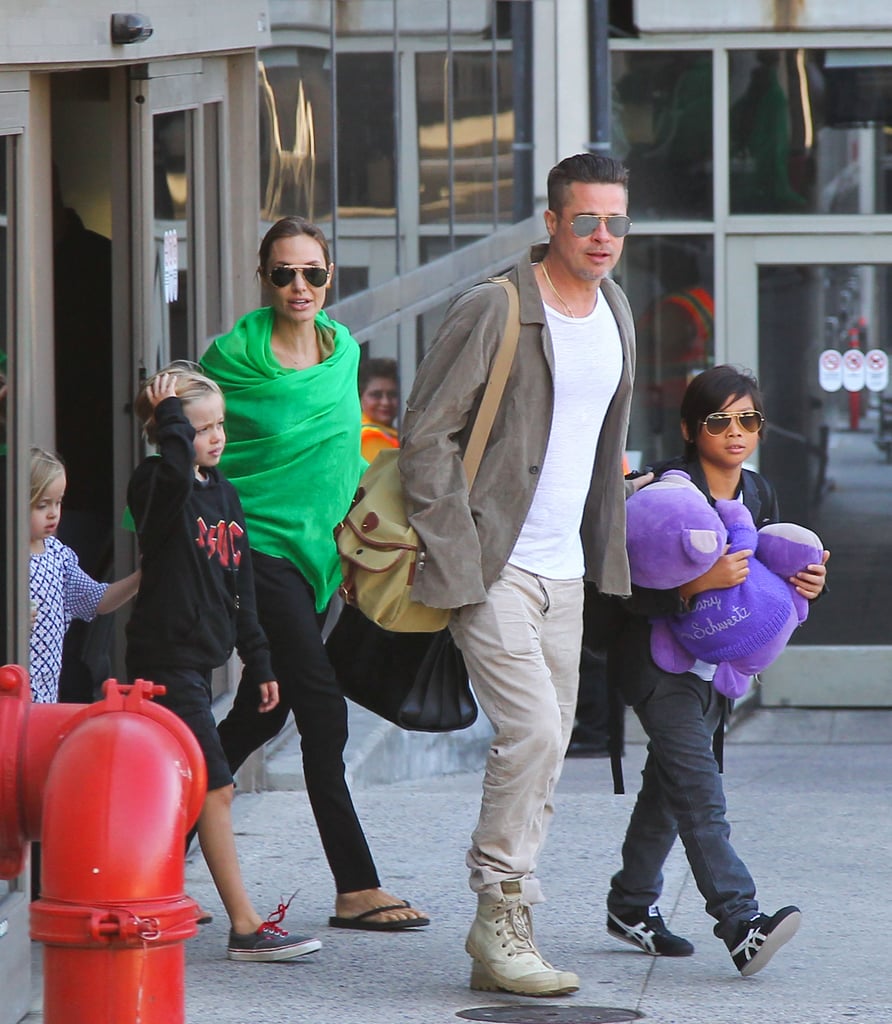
(293, 444)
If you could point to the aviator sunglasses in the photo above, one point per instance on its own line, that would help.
(718, 422)
(585, 224)
(284, 275)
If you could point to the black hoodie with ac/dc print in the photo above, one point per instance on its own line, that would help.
(196, 597)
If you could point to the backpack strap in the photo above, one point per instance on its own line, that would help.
(616, 718)
(764, 494)
(495, 386)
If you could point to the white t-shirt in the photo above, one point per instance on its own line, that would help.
(588, 361)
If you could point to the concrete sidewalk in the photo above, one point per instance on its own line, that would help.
(809, 804)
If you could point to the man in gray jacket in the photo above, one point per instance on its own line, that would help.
(547, 511)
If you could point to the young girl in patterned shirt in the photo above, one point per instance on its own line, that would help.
(59, 589)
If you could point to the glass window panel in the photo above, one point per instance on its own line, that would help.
(431, 75)
(83, 345)
(172, 235)
(366, 150)
(662, 129)
(351, 279)
(427, 326)
(824, 449)
(482, 102)
(476, 165)
(669, 279)
(366, 141)
(432, 247)
(212, 242)
(809, 131)
(504, 132)
(295, 132)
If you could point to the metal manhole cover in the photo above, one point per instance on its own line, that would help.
(550, 1014)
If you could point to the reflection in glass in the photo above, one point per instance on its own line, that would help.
(770, 135)
(809, 131)
(476, 167)
(295, 133)
(173, 177)
(822, 449)
(431, 76)
(481, 184)
(669, 279)
(662, 126)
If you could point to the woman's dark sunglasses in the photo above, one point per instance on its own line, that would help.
(283, 276)
(718, 422)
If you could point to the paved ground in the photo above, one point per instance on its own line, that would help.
(809, 802)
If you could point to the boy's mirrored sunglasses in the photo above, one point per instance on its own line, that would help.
(585, 224)
(718, 422)
(283, 276)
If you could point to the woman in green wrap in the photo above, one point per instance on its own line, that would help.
(288, 373)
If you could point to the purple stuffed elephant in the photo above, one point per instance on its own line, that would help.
(673, 536)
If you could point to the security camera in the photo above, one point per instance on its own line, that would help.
(129, 28)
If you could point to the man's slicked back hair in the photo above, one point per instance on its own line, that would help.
(588, 169)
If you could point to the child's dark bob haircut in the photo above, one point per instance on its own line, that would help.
(709, 392)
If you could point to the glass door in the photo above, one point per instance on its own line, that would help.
(178, 225)
(182, 294)
(15, 951)
(815, 323)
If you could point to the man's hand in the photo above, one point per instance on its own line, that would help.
(269, 696)
(637, 482)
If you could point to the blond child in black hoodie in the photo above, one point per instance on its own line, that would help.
(194, 606)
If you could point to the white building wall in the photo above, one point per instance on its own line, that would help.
(761, 15)
(561, 89)
(70, 32)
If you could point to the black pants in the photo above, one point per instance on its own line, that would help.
(309, 689)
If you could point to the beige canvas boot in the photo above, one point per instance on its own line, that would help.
(500, 944)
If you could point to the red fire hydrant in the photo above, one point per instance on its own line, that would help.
(111, 790)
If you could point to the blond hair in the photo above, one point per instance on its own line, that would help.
(191, 384)
(46, 468)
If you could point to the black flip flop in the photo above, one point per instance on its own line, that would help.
(362, 923)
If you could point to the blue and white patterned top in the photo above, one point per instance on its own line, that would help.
(62, 591)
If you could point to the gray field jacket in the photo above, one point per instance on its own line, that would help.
(468, 539)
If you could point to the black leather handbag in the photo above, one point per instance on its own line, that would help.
(418, 681)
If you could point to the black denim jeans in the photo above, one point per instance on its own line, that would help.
(682, 795)
(309, 689)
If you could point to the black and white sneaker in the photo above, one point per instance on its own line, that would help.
(759, 939)
(647, 930)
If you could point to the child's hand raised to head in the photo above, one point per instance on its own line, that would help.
(163, 386)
